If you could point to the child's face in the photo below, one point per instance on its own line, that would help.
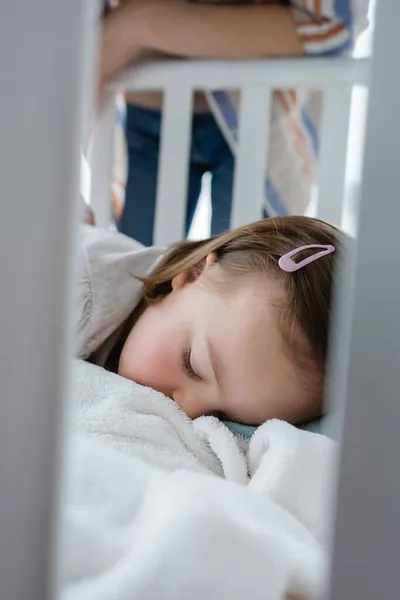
(218, 350)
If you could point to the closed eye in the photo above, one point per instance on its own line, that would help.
(187, 365)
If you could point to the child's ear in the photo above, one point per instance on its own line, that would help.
(179, 281)
(190, 275)
(211, 260)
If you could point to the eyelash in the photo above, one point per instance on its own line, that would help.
(187, 365)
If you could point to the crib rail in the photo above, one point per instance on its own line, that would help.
(256, 80)
(45, 91)
(39, 176)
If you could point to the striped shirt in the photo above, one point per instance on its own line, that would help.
(325, 28)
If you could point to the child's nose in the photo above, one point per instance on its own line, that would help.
(181, 399)
(191, 404)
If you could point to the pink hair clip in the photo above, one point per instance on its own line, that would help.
(287, 264)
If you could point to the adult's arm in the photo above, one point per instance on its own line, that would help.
(193, 30)
(185, 29)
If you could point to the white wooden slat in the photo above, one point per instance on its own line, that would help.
(251, 155)
(101, 156)
(41, 123)
(220, 75)
(173, 165)
(333, 153)
(365, 561)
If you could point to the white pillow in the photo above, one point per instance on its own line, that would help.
(107, 293)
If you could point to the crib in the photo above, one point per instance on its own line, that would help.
(256, 81)
(38, 239)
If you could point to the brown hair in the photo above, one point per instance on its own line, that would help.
(256, 248)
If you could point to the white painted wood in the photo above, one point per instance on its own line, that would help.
(44, 49)
(101, 156)
(333, 153)
(173, 165)
(365, 562)
(250, 160)
(216, 75)
(180, 78)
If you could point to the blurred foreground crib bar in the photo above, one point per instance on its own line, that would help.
(367, 527)
(46, 55)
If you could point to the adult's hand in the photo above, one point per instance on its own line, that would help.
(119, 41)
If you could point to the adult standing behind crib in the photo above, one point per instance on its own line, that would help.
(235, 30)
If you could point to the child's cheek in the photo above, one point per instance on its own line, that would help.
(152, 365)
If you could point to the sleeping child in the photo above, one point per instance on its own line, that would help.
(234, 326)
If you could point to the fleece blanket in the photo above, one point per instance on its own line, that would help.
(159, 507)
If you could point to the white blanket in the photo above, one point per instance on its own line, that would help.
(198, 514)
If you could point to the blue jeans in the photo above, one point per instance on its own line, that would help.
(209, 153)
